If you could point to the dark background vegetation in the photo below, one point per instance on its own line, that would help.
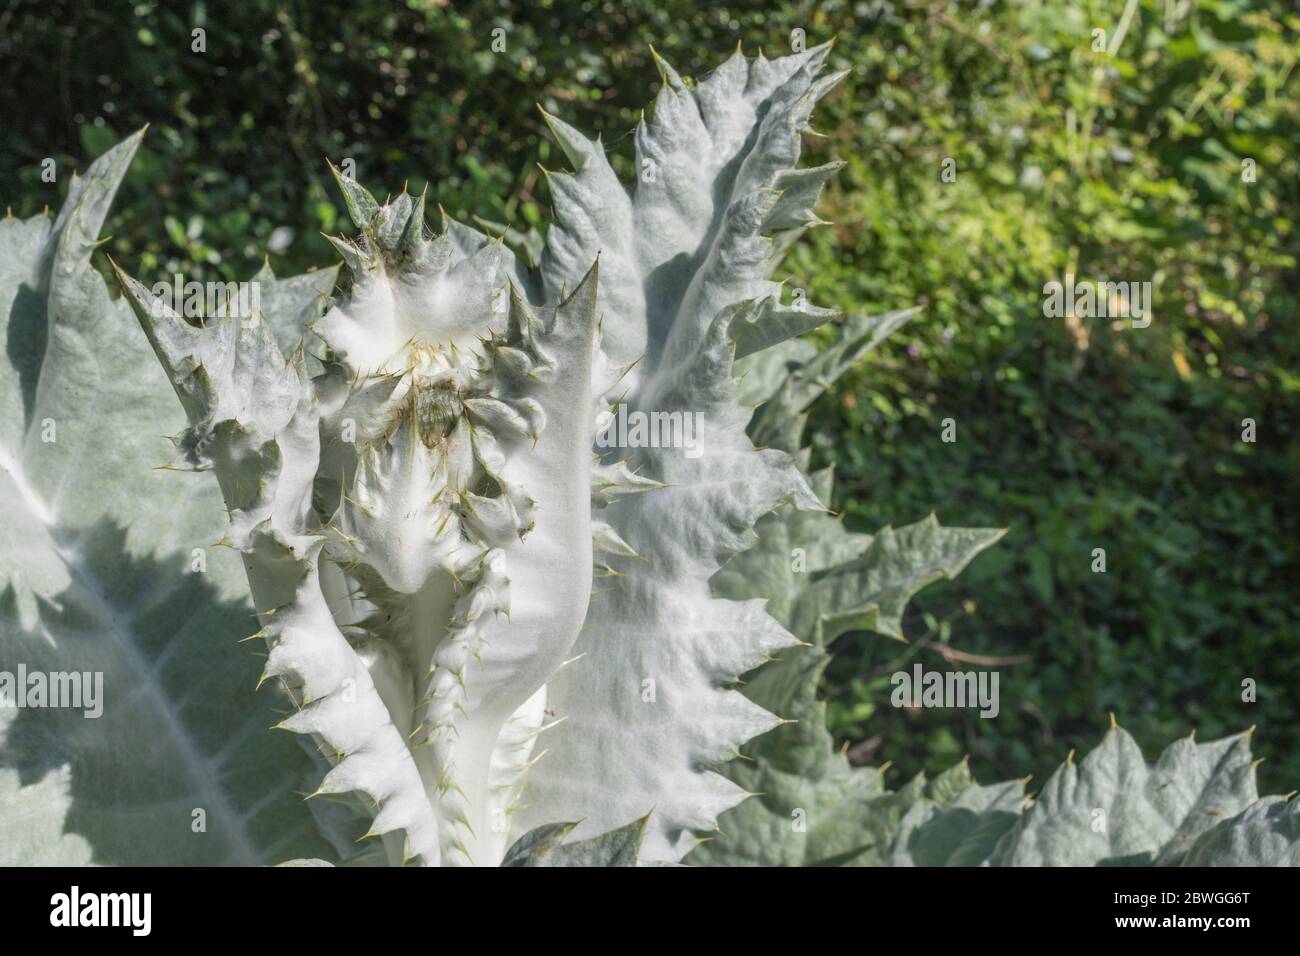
(1073, 434)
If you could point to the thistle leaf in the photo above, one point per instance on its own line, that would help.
(544, 846)
(684, 277)
(1267, 833)
(1112, 809)
(819, 581)
(108, 572)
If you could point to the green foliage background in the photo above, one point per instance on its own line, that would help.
(1119, 165)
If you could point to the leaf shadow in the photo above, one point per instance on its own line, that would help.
(180, 768)
(25, 344)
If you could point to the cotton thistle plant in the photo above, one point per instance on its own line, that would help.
(416, 518)
(486, 624)
(415, 522)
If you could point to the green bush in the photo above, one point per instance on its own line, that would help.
(1087, 434)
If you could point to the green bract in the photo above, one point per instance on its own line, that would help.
(484, 622)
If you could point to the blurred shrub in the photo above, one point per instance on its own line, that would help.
(1078, 434)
